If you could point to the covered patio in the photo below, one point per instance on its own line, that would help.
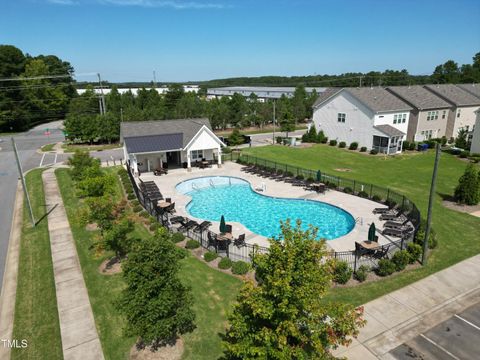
(388, 140)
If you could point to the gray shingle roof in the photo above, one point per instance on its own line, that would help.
(454, 94)
(329, 92)
(378, 99)
(188, 127)
(419, 97)
(153, 143)
(389, 130)
(471, 88)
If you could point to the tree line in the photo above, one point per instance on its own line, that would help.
(29, 95)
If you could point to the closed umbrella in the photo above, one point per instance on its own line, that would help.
(319, 176)
(223, 226)
(371, 232)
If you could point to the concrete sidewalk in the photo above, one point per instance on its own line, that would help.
(77, 325)
(401, 315)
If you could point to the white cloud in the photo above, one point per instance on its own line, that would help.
(174, 4)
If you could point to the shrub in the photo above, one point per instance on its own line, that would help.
(443, 140)
(240, 268)
(374, 151)
(131, 196)
(299, 177)
(376, 198)
(468, 188)
(401, 259)
(363, 194)
(279, 139)
(225, 263)
(406, 145)
(464, 154)
(333, 143)
(135, 202)
(412, 146)
(310, 179)
(154, 226)
(348, 190)
(363, 149)
(279, 171)
(342, 272)
(362, 272)
(353, 146)
(144, 214)
(192, 244)
(210, 256)
(385, 267)
(321, 138)
(415, 251)
(289, 173)
(178, 237)
(81, 163)
(420, 236)
(342, 144)
(96, 186)
(137, 208)
(390, 203)
(324, 140)
(331, 185)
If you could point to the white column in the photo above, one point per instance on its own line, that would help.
(388, 146)
(189, 164)
(135, 165)
(219, 152)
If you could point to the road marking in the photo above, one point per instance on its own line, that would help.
(41, 162)
(55, 161)
(468, 322)
(439, 346)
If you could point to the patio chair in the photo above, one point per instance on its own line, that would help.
(395, 224)
(228, 229)
(202, 227)
(240, 241)
(380, 210)
(169, 200)
(361, 251)
(381, 253)
(170, 208)
(212, 239)
(188, 226)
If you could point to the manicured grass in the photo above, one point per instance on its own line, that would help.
(48, 147)
(408, 174)
(72, 148)
(36, 314)
(213, 291)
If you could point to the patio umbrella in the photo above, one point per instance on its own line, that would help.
(371, 232)
(223, 226)
(319, 176)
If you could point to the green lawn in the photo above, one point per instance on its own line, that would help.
(213, 291)
(267, 129)
(36, 315)
(48, 147)
(408, 174)
(71, 148)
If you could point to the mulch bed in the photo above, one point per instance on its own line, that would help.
(110, 266)
(452, 205)
(168, 352)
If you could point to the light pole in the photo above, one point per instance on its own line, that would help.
(24, 185)
(273, 135)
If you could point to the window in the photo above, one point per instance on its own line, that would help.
(341, 117)
(432, 115)
(399, 118)
(404, 118)
(444, 114)
(197, 154)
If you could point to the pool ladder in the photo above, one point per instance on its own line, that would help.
(359, 220)
(211, 183)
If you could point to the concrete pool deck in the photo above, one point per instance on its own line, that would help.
(361, 209)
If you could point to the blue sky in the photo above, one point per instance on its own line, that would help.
(125, 40)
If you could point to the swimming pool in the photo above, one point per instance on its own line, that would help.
(214, 196)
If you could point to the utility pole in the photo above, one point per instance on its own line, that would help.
(360, 81)
(24, 185)
(430, 204)
(154, 80)
(103, 108)
(273, 136)
(121, 114)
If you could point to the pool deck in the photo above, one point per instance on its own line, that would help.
(361, 209)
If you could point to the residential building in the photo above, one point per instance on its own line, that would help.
(263, 92)
(150, 145)
(430, 113)
(134, 90)
(475, 148)
(464, 105)
(473, 89)
(373, 117)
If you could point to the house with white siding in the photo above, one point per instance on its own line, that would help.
(428, 119)
(373, 117)
(475, 148)
(464, 106)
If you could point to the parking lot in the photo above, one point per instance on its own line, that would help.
(456, 338)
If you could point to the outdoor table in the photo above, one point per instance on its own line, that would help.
(225, 237)
(369, 245)
(318, 186)
(163, 204)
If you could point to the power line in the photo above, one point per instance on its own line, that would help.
(21, 78)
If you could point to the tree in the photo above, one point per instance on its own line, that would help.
(102, 212)
(117, 239)
(79, 162)
(461, 140)
(174, 94)
(285, 315)
(468, 188)
(299, 103)
(156, 305)
(235, 138)
(286, 123)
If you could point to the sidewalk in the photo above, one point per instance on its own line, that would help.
(401, 315)
(77, 325)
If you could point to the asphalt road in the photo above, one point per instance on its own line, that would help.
(456, 338)
(27, 145)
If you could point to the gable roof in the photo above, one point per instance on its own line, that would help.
(187, 127)
(378, 99)
(325, 95)
(419, 97)
(153, 143)
(454, 94)
(389, 130)
(471, 88)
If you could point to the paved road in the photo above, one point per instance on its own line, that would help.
(27, 145)
(456, 338)
(267, 138)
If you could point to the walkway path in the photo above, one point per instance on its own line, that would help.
(77, 325)
(401, 315)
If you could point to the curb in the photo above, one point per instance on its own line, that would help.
(9, 286)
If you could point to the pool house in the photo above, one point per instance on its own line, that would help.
(151, 146)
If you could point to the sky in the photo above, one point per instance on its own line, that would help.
(191, 40)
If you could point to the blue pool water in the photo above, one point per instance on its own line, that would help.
(213, 197)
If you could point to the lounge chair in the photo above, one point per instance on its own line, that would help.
(380, 210)
(240, 241)
(396, 224)
(202, 227)
(188, 226)
(393, 215)
(399, 232)
(177, 220)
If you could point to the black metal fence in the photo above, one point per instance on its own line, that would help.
(384, 196)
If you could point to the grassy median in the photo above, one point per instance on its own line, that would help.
(36, 314)
(213, 291)
(409, 174)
